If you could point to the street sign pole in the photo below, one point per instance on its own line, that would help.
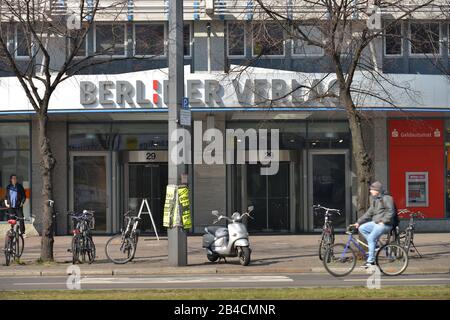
(176, 235)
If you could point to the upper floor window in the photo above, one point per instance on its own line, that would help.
(304, 48)
(424, 38)
(22, 43)
(187, 40)
(268, 39)
(393, 40)
(149, 39)
(236, 38)
(75, 38)
(110, 39)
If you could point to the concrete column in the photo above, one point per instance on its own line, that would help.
(209, 182)
(380, 151)
(176, 236)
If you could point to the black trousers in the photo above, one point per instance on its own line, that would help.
(19, 212)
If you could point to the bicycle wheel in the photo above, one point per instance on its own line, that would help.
(325, 242)
(76, 248)
(9, 249)
(90, 249)
(135, 242)
(119, 249)
(407, 244)
(392, 259)
(339, 260)
(20, 243)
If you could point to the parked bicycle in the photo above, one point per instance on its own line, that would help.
(83, 247)
(14, 242)
(340, 258)
(121, 248)
(406, 237)
(327, 237)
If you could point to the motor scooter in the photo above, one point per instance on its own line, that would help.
(230, 241)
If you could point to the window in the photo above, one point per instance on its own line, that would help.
(15, 159)
(110, 39)
(75, 38)
(393, 39)
(149, 39)
(425, 38)
(236, 39)
(22, 43)
(303, 48)
(268, 39)
(187, 40)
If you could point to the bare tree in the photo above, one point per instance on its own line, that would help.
(345, 32)
(43, 29)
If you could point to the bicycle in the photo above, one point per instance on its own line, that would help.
(121, 248)
(14, 242)
(83, 247)
(340, 258)
(327, 237)
(406, 237)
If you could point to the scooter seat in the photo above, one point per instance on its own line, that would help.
(212, 229)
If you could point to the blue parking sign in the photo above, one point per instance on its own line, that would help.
(185, 103)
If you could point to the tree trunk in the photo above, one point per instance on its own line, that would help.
(47, 164)
(363, 162)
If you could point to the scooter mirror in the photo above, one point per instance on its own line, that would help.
(215, 213)
(250, 209)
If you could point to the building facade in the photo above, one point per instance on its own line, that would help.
(108, 123)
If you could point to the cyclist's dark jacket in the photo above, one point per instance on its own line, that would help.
(381, 210)
(21, 196)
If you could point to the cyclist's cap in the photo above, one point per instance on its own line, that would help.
(377, 186)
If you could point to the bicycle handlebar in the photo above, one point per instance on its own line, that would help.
(318, 206)
(14, 217)
(413, 214)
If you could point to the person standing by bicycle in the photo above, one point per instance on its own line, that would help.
(377, 221)
(15, 199)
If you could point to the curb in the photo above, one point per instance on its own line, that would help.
(200, 271)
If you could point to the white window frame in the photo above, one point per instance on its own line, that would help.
(16, 56)
(423, 55)
(276, 56)
(190, 39)
(245, 40)
(389, 55)
(85, 49)
(304, 55)
(162, 56)
(125, 41)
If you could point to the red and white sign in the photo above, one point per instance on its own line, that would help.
(416, 132)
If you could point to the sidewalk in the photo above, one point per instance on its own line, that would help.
(271, 254)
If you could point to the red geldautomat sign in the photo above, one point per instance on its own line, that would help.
(417, 146)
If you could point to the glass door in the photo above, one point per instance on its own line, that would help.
(270, 197)
(149, 181)
(90, 186)
(328, 186)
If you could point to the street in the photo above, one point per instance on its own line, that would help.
(219, 281)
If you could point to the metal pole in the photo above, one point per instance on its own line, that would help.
(176, 236)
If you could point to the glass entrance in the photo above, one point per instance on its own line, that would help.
(270, 197)
(328, 186)
(149, 181)
(90, 187)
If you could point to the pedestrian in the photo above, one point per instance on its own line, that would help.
(15, 199)
(378, 219)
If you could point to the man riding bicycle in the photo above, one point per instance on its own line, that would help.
(377, 221)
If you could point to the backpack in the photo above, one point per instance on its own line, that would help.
(395, 217)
